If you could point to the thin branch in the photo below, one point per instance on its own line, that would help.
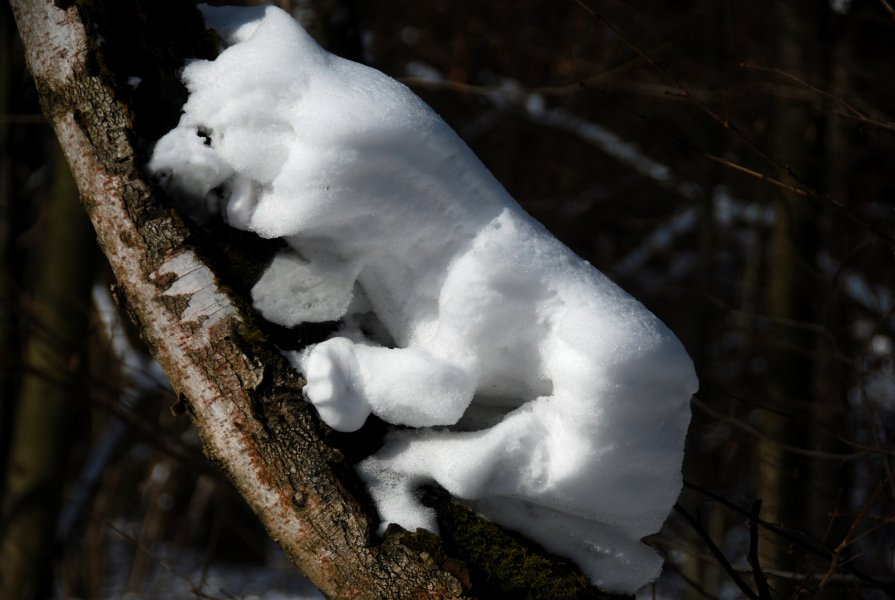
(239, 392)
(817, 427)
(515, 94)
(194, 589)
(819, 454)
(851, 111)
(842, 578)
(689, 580)
(716, 552)
(799, 191)
(684, 91)
(761, 582)
(802, 82)
(802, 189)
(868, 121)
(800, 539)
(850, 536)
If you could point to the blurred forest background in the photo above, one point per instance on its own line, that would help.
(727, 163)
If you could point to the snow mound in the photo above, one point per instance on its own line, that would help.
(541, 392)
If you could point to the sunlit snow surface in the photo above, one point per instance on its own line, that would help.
(546, 395)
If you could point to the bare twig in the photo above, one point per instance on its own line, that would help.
(851, 110)
(801, 187)
(746, 569)
(761, 582)
(786, 447)
(869, 121)
(802, 82)
(194, 589)
(850, 537)
(716, 552)
(690, 581)
(799, 539)
(817, 427)
(799, 191)
(684, 91)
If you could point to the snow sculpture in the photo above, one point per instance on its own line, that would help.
(548, 397)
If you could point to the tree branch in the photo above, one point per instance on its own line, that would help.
(241, 396)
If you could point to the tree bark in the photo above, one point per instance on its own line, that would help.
(244, 399)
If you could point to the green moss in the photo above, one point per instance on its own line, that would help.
(504, 564)
(251, 334)
(424, 543)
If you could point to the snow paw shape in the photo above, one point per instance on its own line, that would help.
(331, 372)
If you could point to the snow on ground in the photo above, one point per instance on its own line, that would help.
(538, 390)
(179, 574)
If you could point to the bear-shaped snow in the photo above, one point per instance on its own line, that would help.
(567, 400)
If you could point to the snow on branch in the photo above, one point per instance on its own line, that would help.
(528, 384)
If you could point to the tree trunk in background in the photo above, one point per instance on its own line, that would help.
(50, 384)
(830, 413)
(8, 337)
(713, 468)
(782, 478)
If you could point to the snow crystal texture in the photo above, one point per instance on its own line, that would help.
(536, 388)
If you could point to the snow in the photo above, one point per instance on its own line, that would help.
(177, 573)
(534, 387)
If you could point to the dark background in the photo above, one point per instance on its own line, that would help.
(727, 163)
